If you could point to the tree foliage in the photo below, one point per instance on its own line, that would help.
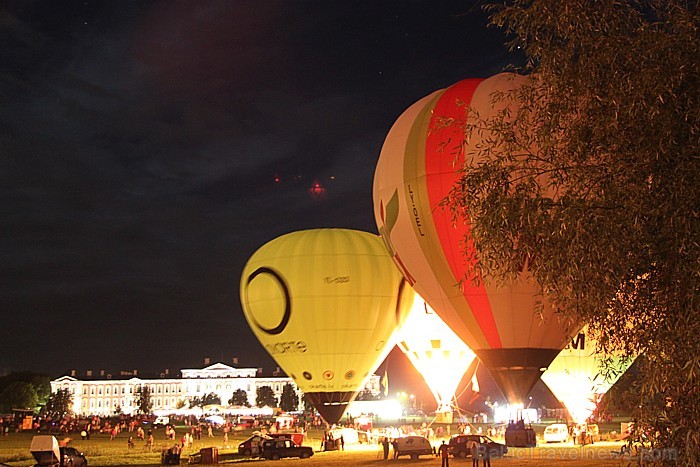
(143, 399)
(59, 403)
(41, 384)
(289, 401)
(590, 176)
(239, 397)
(265, 396)
(206, 399)
(18, 395)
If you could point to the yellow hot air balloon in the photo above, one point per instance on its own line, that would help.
(416, 169)
(575, 378)
(436, 352)
(325, 304)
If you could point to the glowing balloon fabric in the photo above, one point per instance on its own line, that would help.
(325, 304)
(435, 351)
(574, 376)
(415, 171)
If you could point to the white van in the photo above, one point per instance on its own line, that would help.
(413, 446)
(162, 421)
(556, 433)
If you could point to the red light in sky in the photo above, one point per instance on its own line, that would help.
(317, 191)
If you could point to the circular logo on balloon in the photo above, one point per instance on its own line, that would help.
(307, 375)
(380, 345)
(287, 301)
(350, 374)
(328, 375)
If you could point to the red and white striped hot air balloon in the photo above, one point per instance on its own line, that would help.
(415, 171)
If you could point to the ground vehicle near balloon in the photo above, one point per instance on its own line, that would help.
(556, 433)
(47, 452)
(461, 445)
(520, 436)
(413, 446)
(251, 446)
(276, 449)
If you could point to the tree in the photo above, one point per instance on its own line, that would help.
(143, 399)
(289, 401)
(309, 407)
(211, 398)
(18, 395)
(206, 399)
(265, 396)
(239, 397)
(59, 403)
(40, 383)
(593, 182)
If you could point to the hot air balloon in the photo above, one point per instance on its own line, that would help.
(575, 378)
(325, 304)
(437, 353)
(512, 330)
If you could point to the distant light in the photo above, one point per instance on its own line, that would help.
(317, 191)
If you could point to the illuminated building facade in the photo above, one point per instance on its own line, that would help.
(106, 395)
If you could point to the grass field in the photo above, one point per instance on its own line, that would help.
(100, 451)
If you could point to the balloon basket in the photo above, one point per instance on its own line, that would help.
(443, 417)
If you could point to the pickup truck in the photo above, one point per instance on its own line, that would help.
(279, 448)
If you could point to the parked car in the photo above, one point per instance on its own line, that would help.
(252, 446)
(461, 445)
(556, 433)
(72, 457)
(413, 446)
(280, 448)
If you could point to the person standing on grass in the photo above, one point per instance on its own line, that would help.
(444, 455)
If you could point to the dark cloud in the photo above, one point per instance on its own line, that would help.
(140, 145)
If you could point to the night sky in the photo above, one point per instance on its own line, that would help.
(149, 148)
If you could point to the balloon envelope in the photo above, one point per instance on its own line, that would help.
(511, 329)
(325, 304)
(435, 351)
(575, 378)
